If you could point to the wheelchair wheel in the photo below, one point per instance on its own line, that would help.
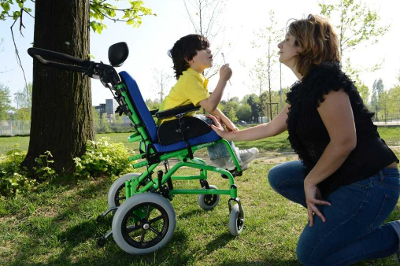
(144, 223)
(208, 201)
(236, 220)
(116, 193)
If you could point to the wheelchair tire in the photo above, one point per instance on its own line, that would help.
(208, 201)
(236, 220)
(116, 193)
(144, 223)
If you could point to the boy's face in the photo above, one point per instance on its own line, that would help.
(202, 60)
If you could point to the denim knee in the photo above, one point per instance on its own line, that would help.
(303, 253)
(273, 177)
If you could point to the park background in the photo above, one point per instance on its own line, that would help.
(53, 222)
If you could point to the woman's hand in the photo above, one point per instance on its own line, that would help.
(313, 198)
(231, 127)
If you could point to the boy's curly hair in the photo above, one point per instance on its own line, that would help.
(185, 49)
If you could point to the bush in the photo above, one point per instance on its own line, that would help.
(103, 158)
(13, 179)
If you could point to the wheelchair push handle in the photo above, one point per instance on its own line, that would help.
(59, 60)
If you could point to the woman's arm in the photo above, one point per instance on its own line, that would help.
(273, 128)
(225, 120)
(337, 115)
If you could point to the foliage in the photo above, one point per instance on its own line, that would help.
(231, 114)
(14, 180)
(5, 102)
(153, 105)
(357, 23)
(103, 158)
(244, 112)
(377, 95)
(99, 10)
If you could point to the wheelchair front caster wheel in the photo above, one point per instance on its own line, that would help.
(144, 223)
(101, 242)
(236, 220)
(208, 201)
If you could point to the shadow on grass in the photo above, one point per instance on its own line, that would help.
(266, 262)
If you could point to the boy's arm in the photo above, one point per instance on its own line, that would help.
(211, 103)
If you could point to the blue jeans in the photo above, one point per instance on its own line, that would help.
(218, 151)
(353, 230)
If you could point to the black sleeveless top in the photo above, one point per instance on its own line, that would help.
(309, 137)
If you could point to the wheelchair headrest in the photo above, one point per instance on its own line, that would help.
(118, 53)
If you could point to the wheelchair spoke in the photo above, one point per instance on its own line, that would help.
(154, 231)
(156, 219)
(148, 212)
(136, 217)
(130, 229)
(142, 238)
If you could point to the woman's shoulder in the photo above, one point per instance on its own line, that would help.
(326, 69)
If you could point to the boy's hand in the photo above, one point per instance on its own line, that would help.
(225, 72)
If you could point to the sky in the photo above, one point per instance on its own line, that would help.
(149, 45)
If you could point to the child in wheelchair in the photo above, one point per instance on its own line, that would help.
(191, 56)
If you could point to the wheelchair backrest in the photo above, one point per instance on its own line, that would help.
(139, 105)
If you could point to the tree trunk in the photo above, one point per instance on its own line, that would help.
(62, 119)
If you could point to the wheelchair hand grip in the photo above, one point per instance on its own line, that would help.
(75, 64)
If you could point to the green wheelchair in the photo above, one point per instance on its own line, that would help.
(144, 219)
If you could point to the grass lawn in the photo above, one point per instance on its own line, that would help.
(57, 226)
(279, 143)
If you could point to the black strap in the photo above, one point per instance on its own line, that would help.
(185, 139)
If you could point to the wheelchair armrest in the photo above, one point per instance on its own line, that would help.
(153, 112)
(177, 111)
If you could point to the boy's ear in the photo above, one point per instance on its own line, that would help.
(187, 60)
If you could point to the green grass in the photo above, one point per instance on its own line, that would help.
(57, 226)
(279, 143)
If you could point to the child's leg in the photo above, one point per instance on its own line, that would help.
(219, 151)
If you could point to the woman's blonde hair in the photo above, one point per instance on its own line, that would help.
(317, 40)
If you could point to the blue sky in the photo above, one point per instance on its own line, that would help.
(150, 43)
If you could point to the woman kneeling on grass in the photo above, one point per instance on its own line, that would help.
(346, 169)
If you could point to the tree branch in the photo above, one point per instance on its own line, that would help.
(16, 49)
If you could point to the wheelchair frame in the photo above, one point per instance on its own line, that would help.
(137, 186)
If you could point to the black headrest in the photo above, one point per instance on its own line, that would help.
(118, 53)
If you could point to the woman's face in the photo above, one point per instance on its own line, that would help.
(288, 50)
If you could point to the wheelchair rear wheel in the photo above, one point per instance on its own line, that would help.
(144, 223)
(116, 193)
(236, 220)
(208, 201)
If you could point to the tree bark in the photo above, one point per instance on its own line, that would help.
(62, 119)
